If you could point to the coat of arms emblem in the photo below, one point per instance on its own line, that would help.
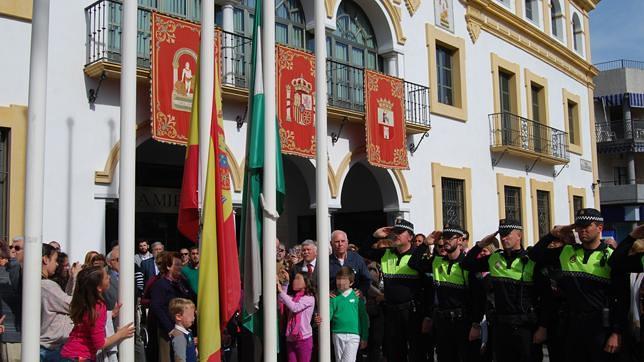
(386, 116)
(299, 102)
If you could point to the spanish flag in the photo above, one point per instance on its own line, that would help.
(219, 281)
(188, 221)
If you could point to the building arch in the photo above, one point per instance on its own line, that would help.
(106, 176)
(359, 154)
(389, 38)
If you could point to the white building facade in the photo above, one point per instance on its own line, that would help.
(499, 112)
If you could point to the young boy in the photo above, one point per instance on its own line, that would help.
(182, 343)
(349, 319)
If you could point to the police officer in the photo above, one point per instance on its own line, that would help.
(629, 258)
(452, 318)
(595, 294)
(512, 277)
(402, 286)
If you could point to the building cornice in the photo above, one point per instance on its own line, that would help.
(489, 16)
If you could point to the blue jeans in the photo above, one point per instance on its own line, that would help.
(49, 355)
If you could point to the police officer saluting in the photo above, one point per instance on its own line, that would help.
(512, 277)
(452, 317)
(402, 286)
(595, 294)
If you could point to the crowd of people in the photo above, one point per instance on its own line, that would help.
(408, 297)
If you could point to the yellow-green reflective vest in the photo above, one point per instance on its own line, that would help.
(572, 262)
(391, 266)
(456, 276)
(521, 269)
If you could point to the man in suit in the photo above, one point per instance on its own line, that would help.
(308, 263)
(149, 266)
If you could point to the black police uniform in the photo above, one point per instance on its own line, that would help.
(452, 310)
(402, 286)
(596, 295)
(515, 318)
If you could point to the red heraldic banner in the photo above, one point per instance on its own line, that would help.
(175, 45)
(385, 121)
(296, 101)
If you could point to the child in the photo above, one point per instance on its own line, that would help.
(89, 314)
(55, 324)
(182, 344)
(299, 334)
(349, 319)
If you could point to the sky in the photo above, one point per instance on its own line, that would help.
(617, 30)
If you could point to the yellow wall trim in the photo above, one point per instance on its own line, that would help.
(567, 96)
(330, 6)
(105, 176)
(499, 63)
(435, 36)
(500, 22)
(519, 182)
(593, 146)
(412, 6)
(438, 172)
(543, 96)
(575, 191)
(15, 118)
(19, 9)
(536, 185)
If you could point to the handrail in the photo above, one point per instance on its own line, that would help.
(620, 64)
(509, 129)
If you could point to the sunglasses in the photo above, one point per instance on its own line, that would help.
(184, 254)
(15, 247)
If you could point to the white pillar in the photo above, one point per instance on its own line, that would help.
(392, 64)
(227, 41)
(35, 179)
(269, 271)
(321, 188)
(127, 172)
(206, 87)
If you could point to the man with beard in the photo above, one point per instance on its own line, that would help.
(595, 294)
(512, 277)
(452, 310)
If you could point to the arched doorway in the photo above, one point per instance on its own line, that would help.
(297, 221)
(159, 172)
(369, 201)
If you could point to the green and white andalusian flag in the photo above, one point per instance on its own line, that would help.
(251, 230)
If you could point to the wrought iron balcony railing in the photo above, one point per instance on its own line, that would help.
(345, 83)
(525, 135)
(627, 130)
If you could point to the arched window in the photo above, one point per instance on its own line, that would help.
(289, 21)
(578, 34)
(556, 19)
(352, 47)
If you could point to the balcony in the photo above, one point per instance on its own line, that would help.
(529, 139)
(619, 194)
(345, 83)
(620, 64)
(620, 136)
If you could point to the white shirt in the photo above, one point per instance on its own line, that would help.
(312, 263)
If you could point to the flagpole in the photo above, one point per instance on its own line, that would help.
(127, 173)
(321, 188)
(206, 87)
(35, 180)
(269, 272)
